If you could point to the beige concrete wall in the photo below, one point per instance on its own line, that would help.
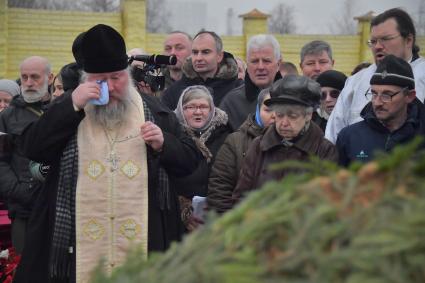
(3, 37)
(48, 34)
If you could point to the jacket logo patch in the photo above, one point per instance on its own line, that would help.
(362, 155)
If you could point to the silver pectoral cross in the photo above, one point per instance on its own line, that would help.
(113, 159)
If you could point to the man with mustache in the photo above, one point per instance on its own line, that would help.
(17, 186)
(112, 153)
(391, 32)
(393, 116)
(177, 43)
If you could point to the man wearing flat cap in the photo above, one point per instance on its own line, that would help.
(292, 137)
(393, 116)
(108, 189)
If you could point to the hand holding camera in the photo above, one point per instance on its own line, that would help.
(150, 76)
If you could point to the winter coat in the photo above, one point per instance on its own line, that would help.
(51, 134)
(168, 80)
(268, 149)
(196, 184)
(242, 101)
(224, 81)
(360, 141)
(352, 99)
(319, 120)
(227, 165)
(17, 186)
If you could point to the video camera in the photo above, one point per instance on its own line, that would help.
(150, 73)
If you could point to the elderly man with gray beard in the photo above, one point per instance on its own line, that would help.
(17, 185)
(112, 153)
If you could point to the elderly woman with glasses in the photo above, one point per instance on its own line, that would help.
(331, 83)
(292, 137)
(207, 125)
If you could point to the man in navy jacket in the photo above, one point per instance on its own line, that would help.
(393, 116)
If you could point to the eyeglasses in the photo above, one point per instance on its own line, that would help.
(385, 96)
(193, 108)
(332, 93)
(382, 40)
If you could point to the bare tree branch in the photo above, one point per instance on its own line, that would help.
(83, 5)
(157, 16)
(282, 19)
(344, 22)
(101, 5)
(420, 23)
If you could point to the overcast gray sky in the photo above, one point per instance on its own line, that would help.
(312, 16)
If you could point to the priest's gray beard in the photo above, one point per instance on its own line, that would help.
(111, 116)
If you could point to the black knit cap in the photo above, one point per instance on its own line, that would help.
(294, 89)
(76, 49)
(103, 50)
(70, 75)
(332, 78)
(393, 70)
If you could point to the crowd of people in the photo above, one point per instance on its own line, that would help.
(98, 159)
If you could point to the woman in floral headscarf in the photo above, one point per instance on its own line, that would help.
(207, 125)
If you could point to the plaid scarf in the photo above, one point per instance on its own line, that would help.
(163, 190)
(63, 229)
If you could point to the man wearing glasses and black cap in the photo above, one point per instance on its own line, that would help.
(393, 116)
(391, 32)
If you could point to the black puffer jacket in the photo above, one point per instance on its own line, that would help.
(224, 81)
(17, 186)
(361, 141)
